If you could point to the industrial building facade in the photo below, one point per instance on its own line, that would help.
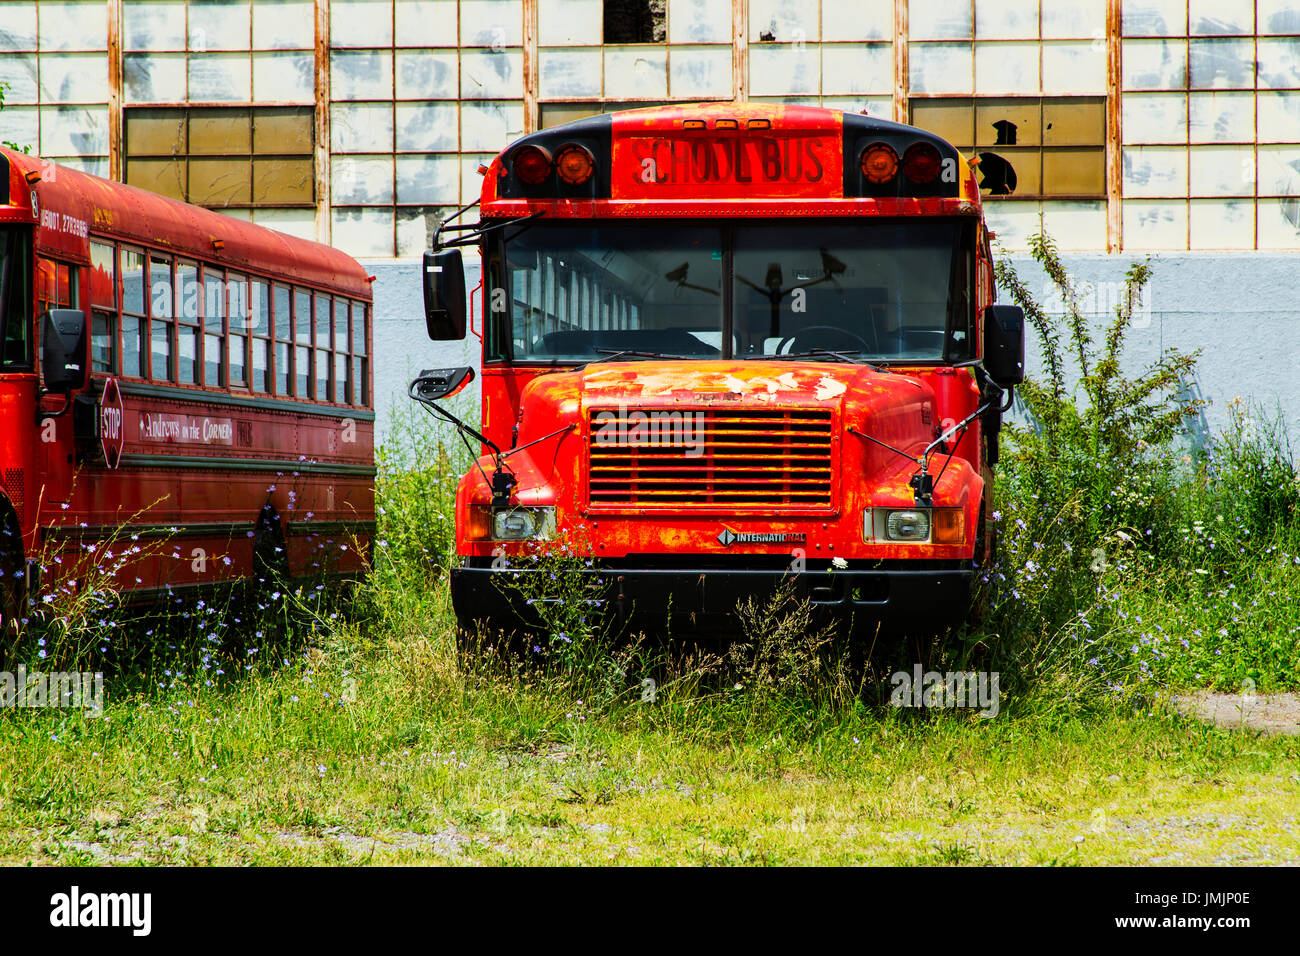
(1134, 125)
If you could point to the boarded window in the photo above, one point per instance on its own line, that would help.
(1028, 147)
(636, 21)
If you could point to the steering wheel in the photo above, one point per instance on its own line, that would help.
(823, 328)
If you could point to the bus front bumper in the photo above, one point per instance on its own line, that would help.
(930, 598)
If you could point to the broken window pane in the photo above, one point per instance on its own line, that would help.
(1223, 118)
(361, 23)
(494, 75)
(1156, 118)
(422, 74)
(220, 77)
(415, 228)
(1154, 18)
(938, 20)
(219, 25)
(1006, 68)
(79, 25)
(1222, 171)
(426, 127)
(636, 72)
(702, 21)
(1220, 17)
(941, 68)
(1006, 19)
(786, 21)
(1222, 224)
(284, 24)
(635, 21)
(1015, 121)
(153, 25)
(783, 68)
(361, 75)
(703, 72)
(1154, 64)
(1155, 171)
(1222, 64)
(857, 68)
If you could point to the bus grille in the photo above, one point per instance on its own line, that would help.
(711, 459)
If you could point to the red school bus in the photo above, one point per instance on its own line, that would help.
(725, 344)
(180, 387)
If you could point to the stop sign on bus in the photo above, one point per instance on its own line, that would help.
(112, 436)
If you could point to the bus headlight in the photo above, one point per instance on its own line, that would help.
(917, 525)
(910, 525)
(523, 524)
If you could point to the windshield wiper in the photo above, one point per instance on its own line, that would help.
(611, 354)
(826, 353)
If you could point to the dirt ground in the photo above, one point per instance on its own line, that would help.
(1261, 713)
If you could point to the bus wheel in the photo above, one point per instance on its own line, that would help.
(13, 581)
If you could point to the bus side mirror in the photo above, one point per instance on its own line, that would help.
(1004, 344)
(438, 383)
(63, 350)
(444, 295)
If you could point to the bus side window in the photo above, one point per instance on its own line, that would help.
(324, 393)
(214, 317)
(259, 310)
(283, 337)
(56, 285)
(131, 285)
(302, 338)
(359, 381)
(103, 300)
(187, 323)
(161, 308)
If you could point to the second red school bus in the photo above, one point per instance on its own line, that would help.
(187, 390)
(726, 345)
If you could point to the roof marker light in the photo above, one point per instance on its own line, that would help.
(574, 164)
(726, 124)
(879, 163)
(921, 163)
(759, 124)
(693, 124)
(532, 164)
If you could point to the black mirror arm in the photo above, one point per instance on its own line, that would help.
(42, 415)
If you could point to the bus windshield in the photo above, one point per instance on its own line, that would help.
(15, 300)
(880, 290)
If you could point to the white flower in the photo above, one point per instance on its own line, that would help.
(839, 563)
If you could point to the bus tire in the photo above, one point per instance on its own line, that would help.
(13, 580)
